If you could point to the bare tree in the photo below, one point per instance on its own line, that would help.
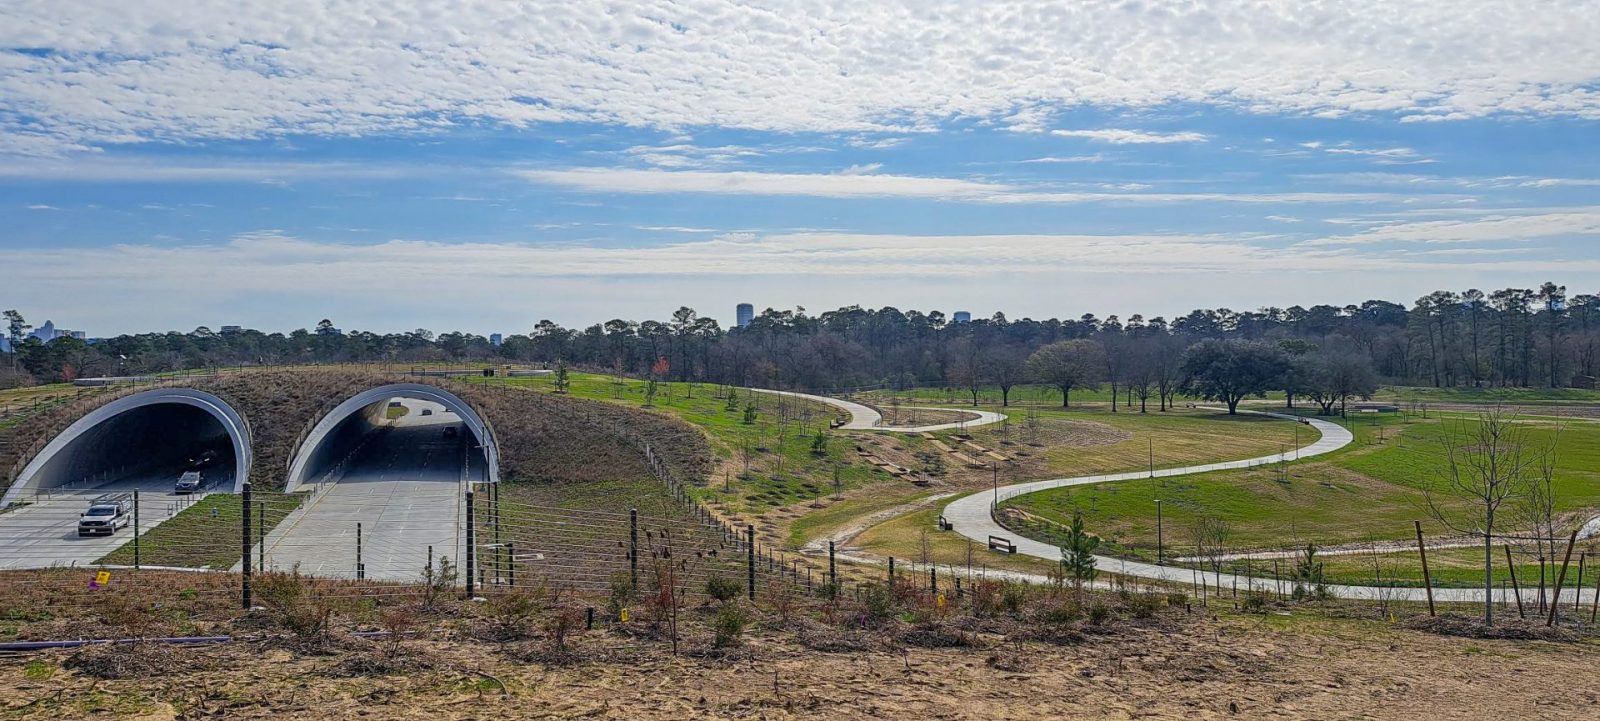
(1068, 364)
(1535, 510)
(1487, 464)
(1007, 367)
(1211, 536)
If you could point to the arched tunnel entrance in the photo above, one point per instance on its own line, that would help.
(386, 471)
(133, 447)
(145, 440)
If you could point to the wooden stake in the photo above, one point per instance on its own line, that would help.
(1427, 581)
(1516, 591)
(1555, 596)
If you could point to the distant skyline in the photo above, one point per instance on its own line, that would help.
(481, 166)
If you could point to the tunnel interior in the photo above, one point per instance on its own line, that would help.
(147, 445)
(397, 439)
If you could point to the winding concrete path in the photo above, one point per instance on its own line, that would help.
(864, 418)
(970, 515)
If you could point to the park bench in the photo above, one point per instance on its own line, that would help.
(1001, 543)
(945, 525)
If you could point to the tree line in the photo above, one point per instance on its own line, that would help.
(1511, 337)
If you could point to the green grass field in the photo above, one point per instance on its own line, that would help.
(1373, 489)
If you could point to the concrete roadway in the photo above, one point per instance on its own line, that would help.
(45, 532)
(403, 487)
(864, 418)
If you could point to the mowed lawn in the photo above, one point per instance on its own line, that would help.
(1374, 489)
(1107, 442)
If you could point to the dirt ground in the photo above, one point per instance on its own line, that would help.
(1236, 667)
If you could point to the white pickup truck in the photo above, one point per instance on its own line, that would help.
(106, 514)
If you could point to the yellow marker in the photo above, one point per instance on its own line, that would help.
(102, 578)
(624, 615)
(940, 600)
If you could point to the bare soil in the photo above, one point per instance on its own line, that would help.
(1241, 667)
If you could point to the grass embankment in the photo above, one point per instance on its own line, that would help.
(206, 534)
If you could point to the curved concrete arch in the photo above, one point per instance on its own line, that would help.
(474, 422)
(232, 421)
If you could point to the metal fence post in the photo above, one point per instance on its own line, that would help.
(136, 528)
(750, 559)
(511, 563)
(472, 541)
(891, 571)
(244, 530)
(833, 570)
(633, 546)
(361, 570)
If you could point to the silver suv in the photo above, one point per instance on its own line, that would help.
(189, 482)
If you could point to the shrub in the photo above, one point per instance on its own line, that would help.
(1014, 597)
(877, 603)
(510, 614)
(722, 588)
(296, 605)
(729, 625)
(1256, 601)
(623, 593)
(1177, 599)
(1099, 613)
(1143, 605)
(985, 597)
(438, 580)
(1062, 613)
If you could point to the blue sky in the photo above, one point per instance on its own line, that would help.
(483, 165)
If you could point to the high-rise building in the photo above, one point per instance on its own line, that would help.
(961, 316)
(744, 314)
(495, 339)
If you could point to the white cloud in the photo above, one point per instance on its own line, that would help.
(1494, 228)
(41, 206)
(96, 167)
(867, 185)
(115, 72)
(1096, 158)
(1120, 136)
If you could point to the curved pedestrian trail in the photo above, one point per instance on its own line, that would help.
(970, 515)
(864, 418)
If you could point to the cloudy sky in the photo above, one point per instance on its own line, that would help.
(482, 164)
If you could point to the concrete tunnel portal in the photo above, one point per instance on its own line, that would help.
(143, 440)
(403, 431)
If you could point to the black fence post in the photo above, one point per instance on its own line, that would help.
(750, 559)
(933, 578)
(244, 543)
(361, 569)
(136, 528)
(891, 571)
(833, 571)
(472, 542)
(511, 563)
(633, 547)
